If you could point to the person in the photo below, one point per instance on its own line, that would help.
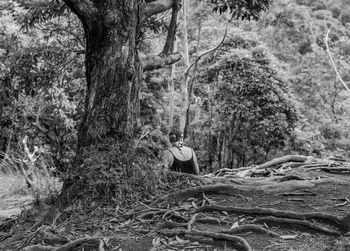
(179, 158)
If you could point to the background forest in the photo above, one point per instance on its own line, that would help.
(244, 93)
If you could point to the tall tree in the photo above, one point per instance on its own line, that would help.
(113, 65)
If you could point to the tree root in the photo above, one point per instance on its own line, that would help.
(198, 191)
(327, 218)
(248, 228)
(66, 247)
(238, 242)
(204, 220)
(39, 248)
(277, 161)
(330, 169)
(283, 221)
(290, 177)
(188, 175)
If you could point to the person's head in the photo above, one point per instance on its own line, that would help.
(176, 138)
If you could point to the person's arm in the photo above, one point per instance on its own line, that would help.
(195, 162)
(167, 160)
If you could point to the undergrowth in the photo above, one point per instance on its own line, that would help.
(116, 172)
(28, 173)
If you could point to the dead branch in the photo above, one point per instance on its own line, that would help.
(331, 219)
(236, 241)
(283, 221)
(250, 228)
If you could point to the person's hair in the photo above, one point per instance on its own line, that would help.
(174, 135)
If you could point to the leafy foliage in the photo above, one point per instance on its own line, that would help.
(44, 88)
(254, 114)
(121, 172)
(244, 10)
(295, 31)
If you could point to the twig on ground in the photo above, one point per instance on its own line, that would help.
(191, 222)
(343, 204)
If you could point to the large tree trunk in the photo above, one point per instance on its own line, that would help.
(113, 73)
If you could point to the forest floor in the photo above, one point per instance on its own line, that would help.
(299, 206)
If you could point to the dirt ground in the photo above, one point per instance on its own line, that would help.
(198, 222)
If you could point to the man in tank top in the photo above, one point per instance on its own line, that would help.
(180, 158)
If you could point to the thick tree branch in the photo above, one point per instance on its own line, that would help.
(85, 10)
(158, 6)
(205, 53)
(152, 62)
(169, 43)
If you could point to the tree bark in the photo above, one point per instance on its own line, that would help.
(113, 66)
(113, 69)
(172, 91)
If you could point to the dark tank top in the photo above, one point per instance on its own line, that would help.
(183, 166)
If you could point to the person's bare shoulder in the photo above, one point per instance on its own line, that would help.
(187, 150)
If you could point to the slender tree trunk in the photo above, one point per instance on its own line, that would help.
(189, 84)
(185, 42)
(172, 91)
(210, 141)
(228, 151)
(2, 100)
(3, 96)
